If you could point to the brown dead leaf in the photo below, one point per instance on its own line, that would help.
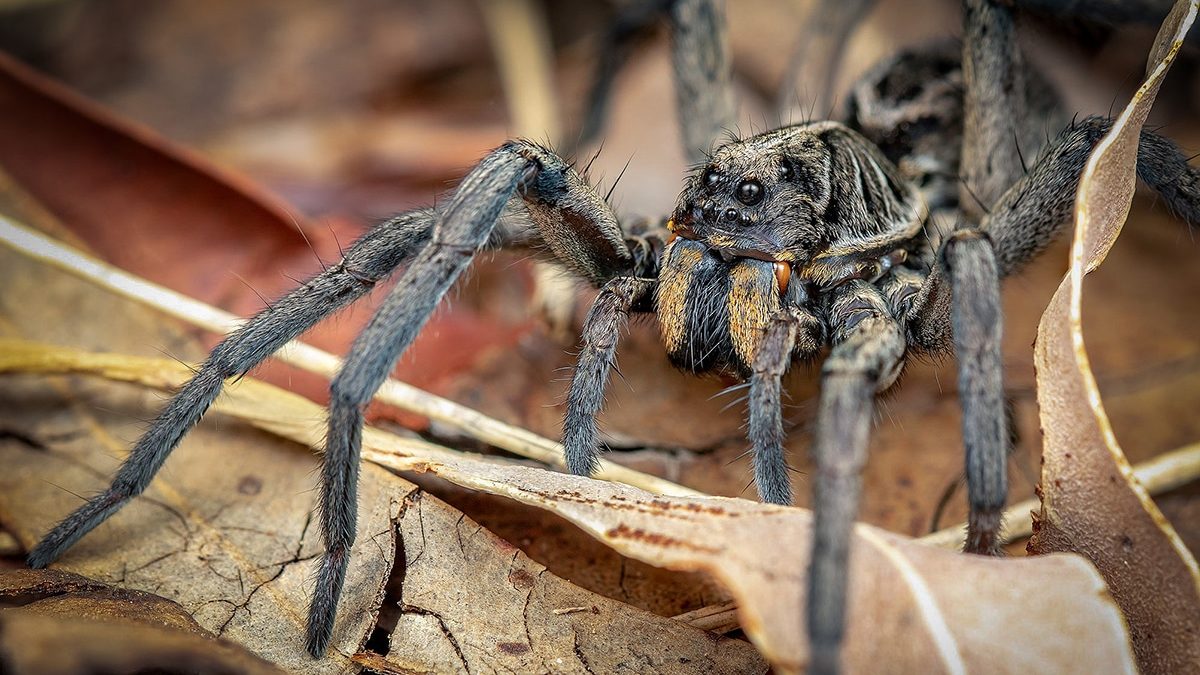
(224, 530)
(1091, 502)
(56, 622)
(515, 616)
(151, 204)
(65, 595)
(911, 605)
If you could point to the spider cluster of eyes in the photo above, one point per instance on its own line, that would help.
(749, 192)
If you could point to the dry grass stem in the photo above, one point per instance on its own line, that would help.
(1162, 474)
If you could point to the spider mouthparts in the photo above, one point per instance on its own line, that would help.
(783, 274)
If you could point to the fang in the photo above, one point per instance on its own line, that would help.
(783, 274)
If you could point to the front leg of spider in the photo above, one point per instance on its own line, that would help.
(868, 353)
(572, 222)
(461, 229)
(793, 331)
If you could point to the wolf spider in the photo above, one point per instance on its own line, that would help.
(811, 236)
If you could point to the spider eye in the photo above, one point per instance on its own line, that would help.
(711, 177)
(750, 192)
(786, 172)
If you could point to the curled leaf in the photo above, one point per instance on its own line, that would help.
(1091, 501)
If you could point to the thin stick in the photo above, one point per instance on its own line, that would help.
(524, 57)
(1161, 474)
(393, 392)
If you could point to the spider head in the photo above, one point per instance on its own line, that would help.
(770, 221)
(806, 196)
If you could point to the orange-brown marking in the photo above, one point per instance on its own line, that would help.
(673, 283)
(751, 303)
(783, 274)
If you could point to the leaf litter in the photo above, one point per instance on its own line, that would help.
(758, 551)
(1091, 501)
(109, 629)
(629, 538)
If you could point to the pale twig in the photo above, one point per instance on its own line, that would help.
(393, 392)
(525, 60)
(1161, 474)
(524, 57)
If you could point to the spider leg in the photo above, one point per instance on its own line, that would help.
(700, 57)
(1035, 210)
(369, 260)
(791, 330)
(993, 76)
(462, 228)
(573, 223)
(807, 91)
(703, 92)
(867, 356)
(601, 333)
(632, 22)
(977, 317)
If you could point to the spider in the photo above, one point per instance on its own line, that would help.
(879, 238)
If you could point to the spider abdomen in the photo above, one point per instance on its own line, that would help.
(712, 311)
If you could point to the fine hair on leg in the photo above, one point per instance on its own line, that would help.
(791, 330)
(977, 320)
(703, 74)
(602, 329)
(867, 355)
(366, 262)
(462, 228)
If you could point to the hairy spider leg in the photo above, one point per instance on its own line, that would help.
(703, 74)
(868, 352)
(602, 330)
(575, 227)
(699, 57)
(462, 228)
(976, 314)
(996, 110)
(793, 330)
(369, 260)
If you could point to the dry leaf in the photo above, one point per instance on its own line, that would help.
(225, 528)
(514, 616)
(1091, 502)
(911, 605)
(65, 595)
(62, 623)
